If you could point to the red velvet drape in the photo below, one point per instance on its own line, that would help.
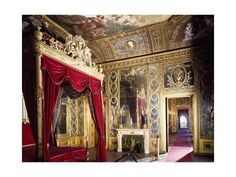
(50, 94)
(28, 89)
(54, 73)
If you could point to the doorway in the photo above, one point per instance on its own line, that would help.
(179, 118)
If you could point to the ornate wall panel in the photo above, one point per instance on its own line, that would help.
(178, 75)
(104, 86)
(174, 71)
(157, 37)
(132, 45)
(113, 101)
(154, 96)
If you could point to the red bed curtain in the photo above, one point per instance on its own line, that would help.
(54, 73)
(28, 89)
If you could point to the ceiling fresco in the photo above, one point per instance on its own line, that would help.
(115, 37)
(98, 26)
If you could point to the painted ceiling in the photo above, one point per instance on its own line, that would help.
(94, 27)
(115, 37)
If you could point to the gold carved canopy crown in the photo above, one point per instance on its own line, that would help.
(73, 52)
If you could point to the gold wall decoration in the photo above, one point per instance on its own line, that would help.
(181, 60)
(181, 55)
(178, 76)
(154, 87)
(114, 104)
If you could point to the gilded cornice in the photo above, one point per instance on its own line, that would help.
(191, 52)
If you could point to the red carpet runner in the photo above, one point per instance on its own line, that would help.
(181, 149)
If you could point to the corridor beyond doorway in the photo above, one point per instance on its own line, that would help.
(180, 147)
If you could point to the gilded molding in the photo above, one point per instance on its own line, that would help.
(191, 52)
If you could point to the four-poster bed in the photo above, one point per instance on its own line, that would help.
(55, 64)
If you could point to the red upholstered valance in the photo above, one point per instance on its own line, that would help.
(54, 73)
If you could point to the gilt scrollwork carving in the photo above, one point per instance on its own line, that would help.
(178, 76)
(75, 47)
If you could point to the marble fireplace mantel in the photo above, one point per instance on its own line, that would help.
(144, 132)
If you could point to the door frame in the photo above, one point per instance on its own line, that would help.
(164, 118)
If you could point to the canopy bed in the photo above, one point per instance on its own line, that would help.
(55, 65)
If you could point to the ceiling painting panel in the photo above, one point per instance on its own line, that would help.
(132, 45)
(94, 27)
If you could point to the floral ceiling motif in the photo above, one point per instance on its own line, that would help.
(98, 26)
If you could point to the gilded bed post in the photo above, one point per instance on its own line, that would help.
(38, 37)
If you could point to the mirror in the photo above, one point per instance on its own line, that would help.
(61, 127)
(133, 97)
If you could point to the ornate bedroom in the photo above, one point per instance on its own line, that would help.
(117, 88)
